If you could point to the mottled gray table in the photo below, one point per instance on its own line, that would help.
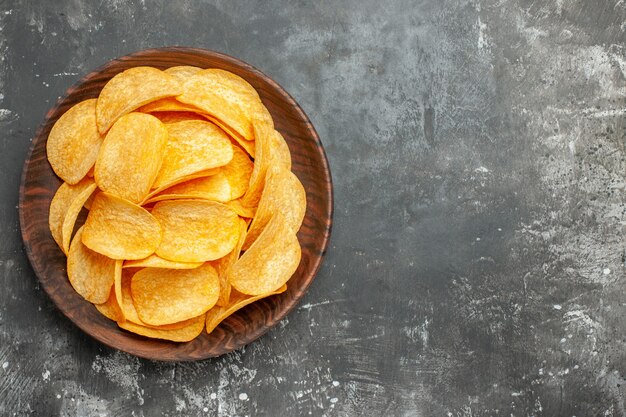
(477, 265)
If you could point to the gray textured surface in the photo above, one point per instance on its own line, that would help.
(477, 263)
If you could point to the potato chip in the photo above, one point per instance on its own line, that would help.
(63, 206)
(222, 265)
(218, 313)
(183, 334)
(226, 97)
(167, 117)
(169, 104)
(127, 306)
(89, 201)
(90, 173)
(238, 172)
(263, 133)
(69, 222)
(279, 153)
(74, 141)
(229, 182)
(130, 90)
(155, 261)
(90, 273)
(269, 262)
(195, 230)
(110, 308)
(215, 188)
(200, 174)
(193, 146)
(247, 145)
(131, 156)
(241, 210)
(120, 229)
(284, 194)
(164, 296)
(183, 72)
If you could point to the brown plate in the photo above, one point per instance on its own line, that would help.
(39, 184)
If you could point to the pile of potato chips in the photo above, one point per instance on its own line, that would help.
(192, 206)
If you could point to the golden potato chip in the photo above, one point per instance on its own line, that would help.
(195, 230)
(193, 146)
(155, 261)
(279, 153)
(182, 334)
(164, 296)
(90, 273)
(241, 210)
(218, 313)
(74, 142)
(167, 117)
(238, 172)
(284, 194)
(269, 262)
(89, 201)
(215, 187)
(183, 72)
(120, 229)
(110, 308)
(247, 145)
(63, 206)
(130, 90)
(131, 156)
(72, 214)
(226, 97)
(200, 174)
(222, 265)
(169, 104)
(263, 133)
(127, 306)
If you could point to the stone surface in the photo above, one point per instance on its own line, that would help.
(477, 265)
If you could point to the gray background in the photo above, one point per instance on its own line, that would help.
(477, 265)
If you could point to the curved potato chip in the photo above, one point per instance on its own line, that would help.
(155, 261)
(200, 174)
(195, 230)
(60, 206)
(130, 90)
(182, 334)
(131, 156)
(120, 229)
(110, 308)
(72, 214)
(127, 306)
(222, 265)
(193, 146)
(269, 262)
(215, 187)
(169, 104)
(164, 296)
(284, 194)
(279, 153)
(183, 72)
(247, 145)
(74, 141)
(218, 314)
(226, 97)
(241, 210)
(90, 273)
(168, 117)
(89, 201)
(263, 133)
(238, 172)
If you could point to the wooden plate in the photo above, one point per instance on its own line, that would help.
(39, 184)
